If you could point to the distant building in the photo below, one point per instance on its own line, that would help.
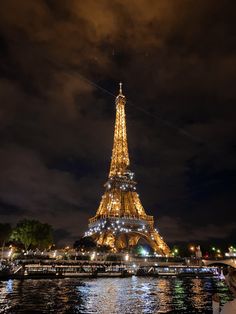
(198, 252)
(231, 253)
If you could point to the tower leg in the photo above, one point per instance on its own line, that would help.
(133, 239)
(121, 242)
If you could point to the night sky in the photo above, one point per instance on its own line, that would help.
(60, 65)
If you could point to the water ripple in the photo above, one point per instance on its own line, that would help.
(110, 296)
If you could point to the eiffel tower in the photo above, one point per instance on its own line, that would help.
(121, 221)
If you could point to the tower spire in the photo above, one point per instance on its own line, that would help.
(120, 154)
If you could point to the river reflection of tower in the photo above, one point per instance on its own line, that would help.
(164, 289)
(198, 296)
(102, 296)
(144, 295)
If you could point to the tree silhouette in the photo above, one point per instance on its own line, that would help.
(32, 233)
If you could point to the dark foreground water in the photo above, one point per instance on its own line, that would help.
(108, 296)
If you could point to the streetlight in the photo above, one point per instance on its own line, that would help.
(192, 248)
(92, 256)
(175, 251)
(10, 251)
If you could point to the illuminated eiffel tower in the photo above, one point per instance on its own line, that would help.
(121, 221)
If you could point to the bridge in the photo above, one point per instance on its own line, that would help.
(228, 261)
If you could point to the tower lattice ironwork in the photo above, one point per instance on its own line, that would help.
(121, 221)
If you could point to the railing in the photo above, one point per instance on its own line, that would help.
(114, 216)
(17, 269)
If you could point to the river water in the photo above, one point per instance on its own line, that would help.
(110, 296)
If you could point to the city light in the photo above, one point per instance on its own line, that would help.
(10, 252)
(92, 257)
(126, 257)
(144, 252)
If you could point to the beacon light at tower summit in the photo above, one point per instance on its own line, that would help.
(121, 221)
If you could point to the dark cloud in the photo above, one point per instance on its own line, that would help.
(8, 209)
(180, 231)
(177, 61)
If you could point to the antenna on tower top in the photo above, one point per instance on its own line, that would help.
(120, 93)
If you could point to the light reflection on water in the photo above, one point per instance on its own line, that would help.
(110, 296)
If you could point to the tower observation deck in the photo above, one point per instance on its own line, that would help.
(121, 221)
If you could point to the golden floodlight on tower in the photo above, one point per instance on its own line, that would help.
(121, 221)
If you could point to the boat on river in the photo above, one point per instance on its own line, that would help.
(98, 270)
(178, 271)
(52, 271)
